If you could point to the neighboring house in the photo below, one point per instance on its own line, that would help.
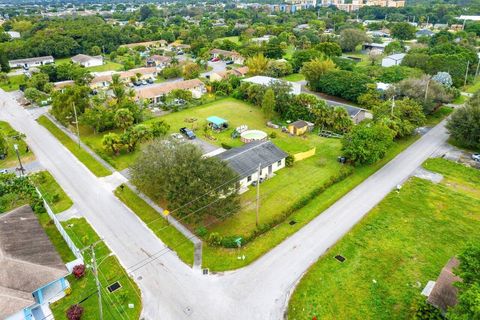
(424, 33)
(60, 85)
(246, 159)
(147, 44)
(158, 61)
(380, 47)
(175, 46)
(267, 81)
(222, 75)
(228, 55)
(87, 61)
(14, 34)
(442, 294)
(393, 60)
(30, 62)
(262, 39)
(104, 80)
(357, 114)
(300, 127)
(32, 274)
(154, 93)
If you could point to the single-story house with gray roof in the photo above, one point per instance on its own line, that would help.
(32, 273)
(30, 62)
(357, 114)
(246, 159)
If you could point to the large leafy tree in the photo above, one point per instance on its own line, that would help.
(193, 186)
(402, 116)
(403, 31)
(124, 118)
(71, 98)
(464, 124)
(341, 83)
(268, 103)
(316, 68)
(257, 64)
(351, 38)
(367, 143)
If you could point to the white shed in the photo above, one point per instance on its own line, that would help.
(393, 60)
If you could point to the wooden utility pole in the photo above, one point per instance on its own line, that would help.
(76, 122)
(97, 281)
(258, 193)
(466, 73)
(426, 90)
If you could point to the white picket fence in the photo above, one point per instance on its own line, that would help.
(60, 229)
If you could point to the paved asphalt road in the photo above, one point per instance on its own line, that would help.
(170, 289)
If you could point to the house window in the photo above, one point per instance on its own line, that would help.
(249, 178)
(279, 163)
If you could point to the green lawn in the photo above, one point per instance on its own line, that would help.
(474, 87)
(62, 60)
(13, 83)
(13, 137)
(107, 66)
(390, 256)
(56, 198)
(438, 116)
(460, 100)
(235, 39)
(93, 165)
(294, 77)
(220, 259)
(115, 305)
(168, 234)
(235, 111)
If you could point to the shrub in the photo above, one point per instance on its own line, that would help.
(289, 161)
(202, 231)
(79, 271)
(226, 146)
(273, 135)
(75, 312)
(214, 239)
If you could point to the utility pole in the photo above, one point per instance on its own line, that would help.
(426, 90)
(76, 122)
(476, 72)
(258, 194)
(97, 281)
(393, 106)
(466, 73)
(15, 146)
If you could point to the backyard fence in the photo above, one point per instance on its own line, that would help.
(60, 229)
(304, 155)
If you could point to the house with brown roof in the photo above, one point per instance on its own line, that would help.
(222, 75)
(104, 80)
(442, 293)
(32, 274)
(87, 61)
(228, 55)
(154, 93)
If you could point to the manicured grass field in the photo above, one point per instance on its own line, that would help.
(115, 304)
(93, 165)
(220, 259)
(235, 39)
(390, 256)
(107, 66)
(294, 77)
(51, 191)
(13, 83)
(168, 234)
(13, 137)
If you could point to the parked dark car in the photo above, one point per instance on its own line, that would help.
(188, 133)
(229, 62)
(150, 80)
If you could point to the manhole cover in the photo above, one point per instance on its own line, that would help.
(114, 286)
(340, 258)
(205, 271)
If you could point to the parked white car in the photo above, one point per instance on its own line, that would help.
(476, 157)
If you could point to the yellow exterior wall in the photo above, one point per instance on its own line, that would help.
(297, 131)
(304, 155)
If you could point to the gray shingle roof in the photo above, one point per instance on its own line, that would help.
(245, 159)
(29, 260)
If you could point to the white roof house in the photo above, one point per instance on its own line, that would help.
(267, 81)
(14, 34)
(30, 62)
(87, 61)
(393, 60)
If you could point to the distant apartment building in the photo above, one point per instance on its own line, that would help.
(357, 4)
(291, 6)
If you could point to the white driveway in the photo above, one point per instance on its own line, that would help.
(170, 289)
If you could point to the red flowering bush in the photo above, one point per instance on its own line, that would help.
(75, 312)
(79, 271)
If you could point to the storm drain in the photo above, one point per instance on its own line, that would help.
(188, 311)
(114, 287)
(340, 258)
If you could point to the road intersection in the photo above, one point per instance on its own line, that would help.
(172, 290)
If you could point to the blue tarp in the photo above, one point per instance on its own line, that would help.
(217, 120)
